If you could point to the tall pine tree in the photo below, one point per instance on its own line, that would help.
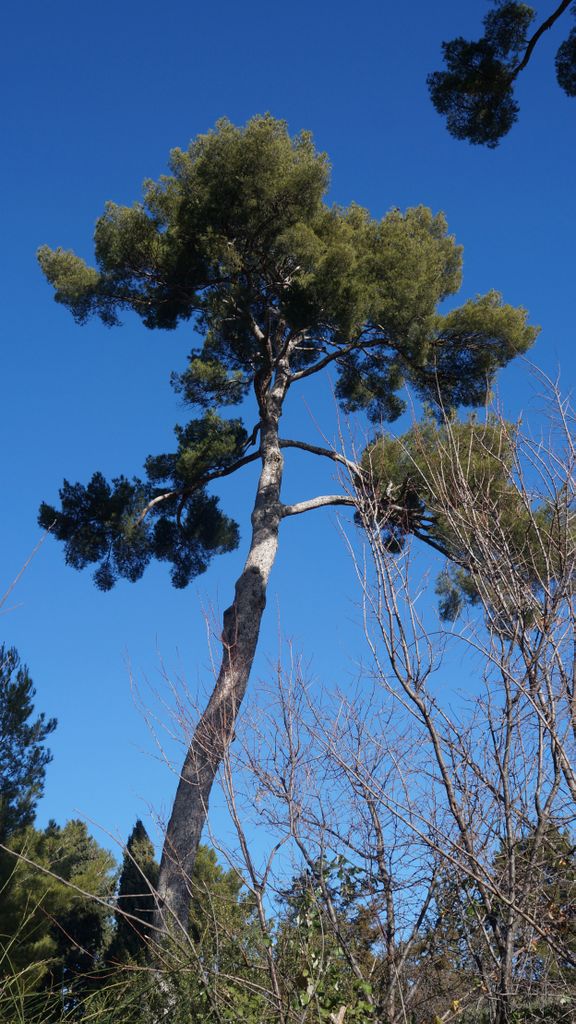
(280, 286)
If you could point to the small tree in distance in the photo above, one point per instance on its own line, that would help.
(135, 899)
(239, 240)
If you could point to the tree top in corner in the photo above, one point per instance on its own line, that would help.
(475, 92)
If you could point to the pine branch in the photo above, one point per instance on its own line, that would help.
(320, 502)
(339, 353)
(200, 482)
(547, 24)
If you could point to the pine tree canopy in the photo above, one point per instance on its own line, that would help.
(239, 240)
(476, 91)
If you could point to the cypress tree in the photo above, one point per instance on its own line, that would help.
(135, 900)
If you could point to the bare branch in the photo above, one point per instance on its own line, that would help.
(339, 353)
(321, 502)
(327, 453)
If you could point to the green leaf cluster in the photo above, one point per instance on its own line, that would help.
(312, 963)
(103, 523)
(239, 239)
(135, 902)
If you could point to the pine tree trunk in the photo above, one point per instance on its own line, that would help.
(214, 732)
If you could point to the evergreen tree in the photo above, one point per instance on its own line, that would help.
(224, 952)
(281, 286)
(23, 758)
(217, 905)
(440, 483)
(135, 899)
(476, 91)
(55, 893)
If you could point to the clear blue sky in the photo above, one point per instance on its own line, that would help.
(94, 98)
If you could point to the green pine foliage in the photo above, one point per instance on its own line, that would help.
(566, 64)
(476, 91)
(67, 954)
(55, 901)
(239, 241)
(23, 756)
(207, 977)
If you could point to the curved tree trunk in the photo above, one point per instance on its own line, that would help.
(214, 732)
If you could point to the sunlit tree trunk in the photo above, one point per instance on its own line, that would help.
(215, 729)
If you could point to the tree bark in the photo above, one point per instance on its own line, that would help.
(215, 729)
